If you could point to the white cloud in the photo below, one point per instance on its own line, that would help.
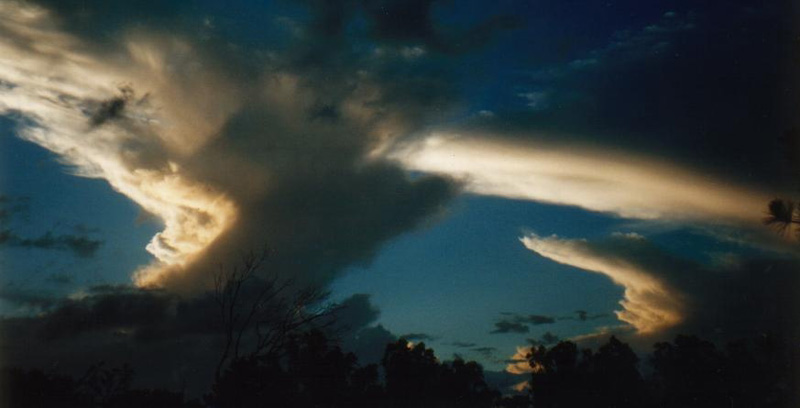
(625, 184)
(229, 154)
(57, 84)
(650, 304)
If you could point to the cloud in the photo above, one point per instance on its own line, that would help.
(518, 363)
(80, 243)
(485, 352)
(545, 340)
(356, 312)
(412, 22)
(582, 315)
(596, 179)
(536, 320)
(462, 344)
(119, 325)
(665, 294)
(518, 323)
(148, 110)
(509, 326)
(650, 303)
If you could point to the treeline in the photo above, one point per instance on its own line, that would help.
(312, 371)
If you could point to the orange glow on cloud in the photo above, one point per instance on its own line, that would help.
(50, 78)
(650, 305)
(593, 179)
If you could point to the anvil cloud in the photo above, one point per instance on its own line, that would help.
(596, 179)
(228, 157)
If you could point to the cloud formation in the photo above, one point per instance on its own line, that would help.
(620, 183)
(508, 326)
(650, 304)
(665, 294)
(79, 242)
(227, 153)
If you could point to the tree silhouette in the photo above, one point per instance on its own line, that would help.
(310, 372)
(782, 214)
(259, 312)
(415, 378)
(98, 387)
(616, 376)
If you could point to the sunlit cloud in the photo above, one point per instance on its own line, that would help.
(615, 182)
(228, 162)
(80, 105)
(518, 363)
(650, 304)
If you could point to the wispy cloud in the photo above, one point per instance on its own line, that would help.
(80, 242)
(596, 179)
(72, 105)
(158, 114)
(650, 303)
(508, 326)
(544, 340)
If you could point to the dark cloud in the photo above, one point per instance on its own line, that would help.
(706, 117)
(81, 246)
(545, 340)
(462, 344)
(583, 316)
(326, 206)
(413, 23)
(536, 320)
(485, 352)
(369, 343)
(356, 312)
(22, 296)
(110, 109)
(518, 323)
(80, 243)
(509, 326)
(101, 21)
(504, 381)
(724, 302)
(353, 324)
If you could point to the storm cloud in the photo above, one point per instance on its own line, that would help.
(667, 294)
(149, 114)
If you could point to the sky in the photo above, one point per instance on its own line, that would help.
(478, 176)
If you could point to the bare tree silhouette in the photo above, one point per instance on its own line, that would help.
(258, 312)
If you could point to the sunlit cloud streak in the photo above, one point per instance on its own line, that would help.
(231, 155)
(650, 304)
(80, 105)
(620, 183)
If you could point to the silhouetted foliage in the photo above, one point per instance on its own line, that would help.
(259, 313)
(692, 373)
(781, 214)
(312, 371)
(98, 387)
(686, 373)
(415, 378)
